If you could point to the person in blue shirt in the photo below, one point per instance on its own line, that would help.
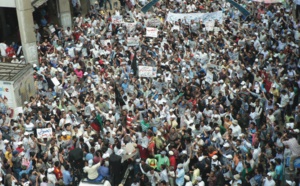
(67, 178)
(278, 171)
(24, 170)
(180, 175)
(104, 170)
(125, 85)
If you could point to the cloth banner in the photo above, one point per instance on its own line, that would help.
(269, 1)
(151, 32)
(205, 17)
(44, 133)
(132, 41)
(116, 19)
(239, 7)
(146, 71)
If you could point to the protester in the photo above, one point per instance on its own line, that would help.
(210, 99)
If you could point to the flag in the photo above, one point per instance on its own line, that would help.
(97, 124)
(119, 99)
(134, 65)
(239, 7)
(149, 5)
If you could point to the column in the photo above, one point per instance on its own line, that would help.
(26, 27)
(3, 24)
(65, 13)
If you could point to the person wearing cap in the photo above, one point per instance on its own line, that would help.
(16, 160)
(236, 129)
(162, 159)
(91, 170)
(268, 181)
(188, 181)
(180, 175)
(216, 135)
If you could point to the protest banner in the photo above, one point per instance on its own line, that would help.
(209, 77)
(269, 1)
(44, 132)
(209, 25)
(153, 22)
(151, 32)
(130, 26)
(146, 71)
(132, 41)
(116, 19)
(205, 17)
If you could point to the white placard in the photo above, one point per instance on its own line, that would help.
(145, 71)
(133, 41)
(151, 32)
(209, 25)
(17, 111)
(104, 42)
(55, 81)
(130, 26)
(205, 17)
(116, 19)
(153, 22)
(44, 133)
(209, 77)
(175, 27)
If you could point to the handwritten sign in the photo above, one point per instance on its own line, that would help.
(116, 19)
(204, 17)
(151, 32)
(130, 26)
(209, 25)
(145, 71)
(132, 41)
(209, 77)
(153, 22)
(44, 132)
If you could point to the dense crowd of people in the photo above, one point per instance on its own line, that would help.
(222, 109)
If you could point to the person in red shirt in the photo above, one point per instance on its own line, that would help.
(57, 171)
(20, 147)
(10, 51)
(143, 152)
(151, 145)
(172, 160)
(129, 118)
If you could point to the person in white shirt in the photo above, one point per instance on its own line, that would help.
(164, 174)
(188, 181)
(3, 48)
(200, 182)
(236, 129)
(284, 99)
(268, 181)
